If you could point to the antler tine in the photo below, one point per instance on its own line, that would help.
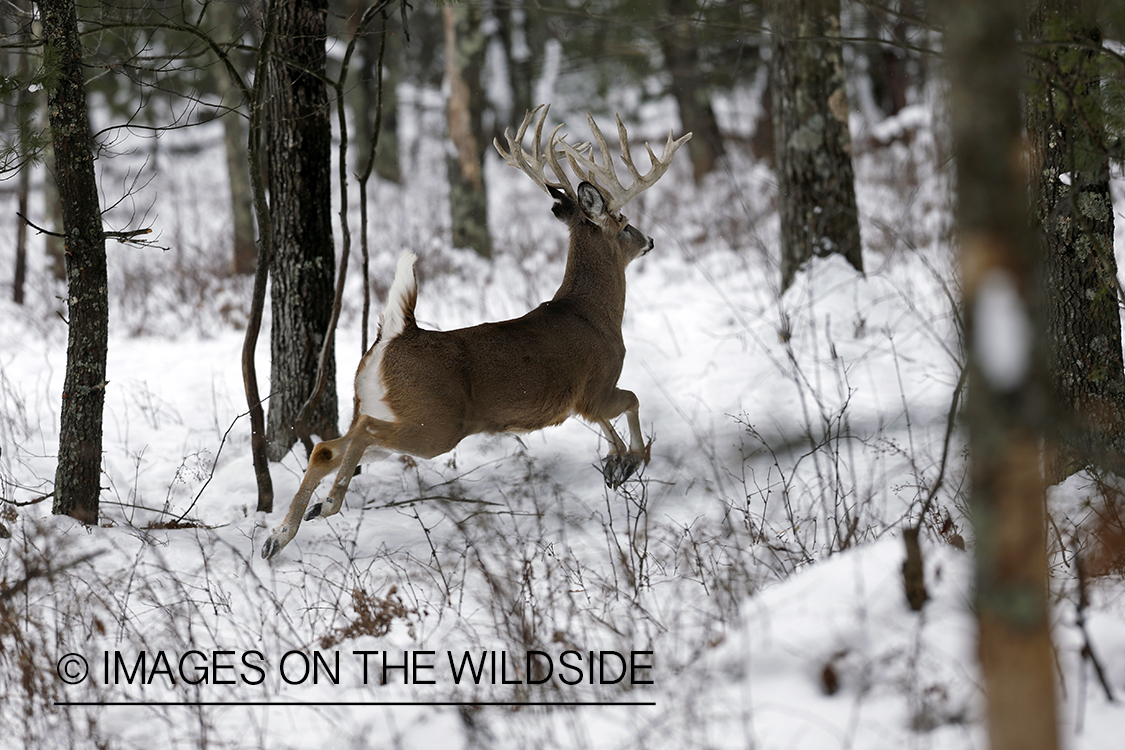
(533, 164)
(626, 156)
(586, 168)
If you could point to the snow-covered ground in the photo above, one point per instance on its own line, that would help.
(745, 591)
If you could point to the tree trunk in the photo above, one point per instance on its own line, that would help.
(513, 31)
(19, 278)
(689, 86)
(78, 476)
(23, 127)
(54, 246)
(815, 178)
(298, 156)
(1074, 214)
(465, 45)
(387, 164)
(887, 72)
(244, 251)
(1007, 391)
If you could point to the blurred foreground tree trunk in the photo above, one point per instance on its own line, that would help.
(1006, 406)
(678, 42)
(1073, 212)
(78, 476)
(465, 45)
(816, 181)
(298, 157)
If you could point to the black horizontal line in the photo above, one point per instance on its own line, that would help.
(355, 703)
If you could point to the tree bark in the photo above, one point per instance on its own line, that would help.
(465, 45)
(815, 177)
(78, 476)
(689, 86)
(298, 157)
(1073, 213)
(1007, 390)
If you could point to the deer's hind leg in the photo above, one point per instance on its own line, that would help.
(341, 455)
(325, 457)
(370, 436)
(374, 439)
(367, 454)
(622, 461)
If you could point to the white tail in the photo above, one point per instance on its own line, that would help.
(421, 392)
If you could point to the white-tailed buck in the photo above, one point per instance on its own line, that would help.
(421, 392)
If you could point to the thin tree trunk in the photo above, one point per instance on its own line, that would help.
(78, 477)
(19, 278)
(816, 181)
(244, 251)
(54, 246)
(887, 63)
(1005, 403)
(298, 150)
(513, 28)
(689, 86)
(259, 444)
(371, 48)
(1074, 215)
(23, 186)
(465, 45)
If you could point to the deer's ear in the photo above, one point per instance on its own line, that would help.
(592, 202)
(559, 195)
(563, 207)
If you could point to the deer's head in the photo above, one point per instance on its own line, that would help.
(588, 218)
(593, 209)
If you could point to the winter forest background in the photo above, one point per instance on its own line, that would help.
(877, 348)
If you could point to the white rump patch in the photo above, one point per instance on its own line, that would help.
(369, 388)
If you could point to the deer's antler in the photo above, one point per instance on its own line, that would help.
(534, 165)
(605, 175)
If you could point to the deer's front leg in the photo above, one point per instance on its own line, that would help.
(622, 462)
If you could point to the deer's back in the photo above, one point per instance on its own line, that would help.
(516, 375)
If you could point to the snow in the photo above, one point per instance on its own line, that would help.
(758, 557)
(1002, 332)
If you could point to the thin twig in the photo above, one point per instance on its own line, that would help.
(126, 236)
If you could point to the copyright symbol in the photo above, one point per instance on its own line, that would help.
(73, 669)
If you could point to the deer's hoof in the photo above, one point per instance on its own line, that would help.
(314, 512)
(618, 467)
(274, 544)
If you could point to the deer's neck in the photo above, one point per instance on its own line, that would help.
(594, 280)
